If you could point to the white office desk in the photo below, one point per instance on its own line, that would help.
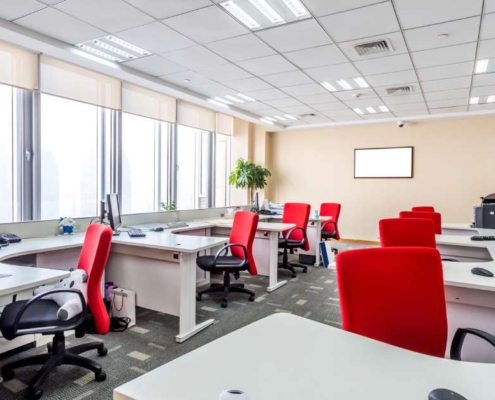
(461, 247)
(264, 361)
(458, 229)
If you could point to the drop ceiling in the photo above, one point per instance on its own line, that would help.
(198, 45)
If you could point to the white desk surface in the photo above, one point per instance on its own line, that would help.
(462, 227)
(311, 219)
(323, 363)
(464, 241)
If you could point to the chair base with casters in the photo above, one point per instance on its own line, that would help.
(226, 287)
(286, 264)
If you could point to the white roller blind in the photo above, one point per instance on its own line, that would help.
(148, 103)
(72, 82)
(189, 114)
(18, 67)
(225, 124)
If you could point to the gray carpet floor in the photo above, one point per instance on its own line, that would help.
(151, 343)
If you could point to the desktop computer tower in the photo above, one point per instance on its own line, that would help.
(488, 216)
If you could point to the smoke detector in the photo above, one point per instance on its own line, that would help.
(371, 48)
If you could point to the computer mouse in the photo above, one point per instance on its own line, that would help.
(445, 394)
(482, 272)
(159, 229)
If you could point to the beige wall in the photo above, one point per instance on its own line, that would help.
(454, 164)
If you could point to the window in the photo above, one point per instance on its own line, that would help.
(69, 142)
(193, 168)
(222, 170)
(6, 155)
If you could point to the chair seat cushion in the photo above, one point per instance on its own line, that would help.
(291, 244)
(41, 313)
(226, 263)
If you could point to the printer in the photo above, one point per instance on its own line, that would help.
(484, 214)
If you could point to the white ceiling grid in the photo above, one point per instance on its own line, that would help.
(196, 44)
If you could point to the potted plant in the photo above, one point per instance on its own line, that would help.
(248, 175)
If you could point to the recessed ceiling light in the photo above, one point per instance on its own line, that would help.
(267, 11)
(280, 118)
(344, 84)
(290, 117)
(358, 111)
(243, 96)
(266, 121)
(383, 108)
(361, 82)
(296, 7)
(217, 103)
(327, 86)
(371, 110)
(270, 119)
(474, 100)
(490, 99)
(240, 14)
(234, 99)
(222, 100)
(481, 66)
(99, 53)
(443, 36)
(128, 45)
(114, 49)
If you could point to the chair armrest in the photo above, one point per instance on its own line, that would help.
(287, 237)
(226, 248)
(460, 335)
(328, 222)
(50, 329)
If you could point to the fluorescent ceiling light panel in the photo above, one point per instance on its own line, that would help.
(481, 66)
(267, 11)
(328, 86)
(243, 96)
(297, 8)
(491, 99)
(474, 100)
(271, 119)
(280, 118)
(217, 103)
(290, 117)
(234, 99)
(371, 110)
(358, 111)
(114, 49)
(361, 82)
(99, 53)
(240, 14)
(344, 84)
(128, 45)
(266, 121)
(222, 100)
(383, 108)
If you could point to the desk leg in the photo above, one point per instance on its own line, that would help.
(317, 244)
(274, 283)
(188, 327)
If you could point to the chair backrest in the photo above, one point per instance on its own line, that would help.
(423, 208)
(434, 216)
(243, 231)
(297, 213)
(331, 210)
(394, 295)
(407, 232)
(93, 259)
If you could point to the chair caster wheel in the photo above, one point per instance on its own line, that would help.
(35, 394)
(102, 352)
(100, 377)
(224, 304)
(251, 298)
(8, 374)
(294, 275)
(198, 297)
(305, 270)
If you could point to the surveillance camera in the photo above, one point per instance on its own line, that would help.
(400, 124)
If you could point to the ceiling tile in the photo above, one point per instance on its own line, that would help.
(317, 99)
(325, 7)
(319, 119)
(489, 6)
(288, 79)
(245, 85)
(194, 79)
(62, 26)
(295, 36)
(304, 90)
(355, 94)
(414, 13)
(267, 65)
(345, 118)
(224, 72)
(446, 71)
(447, 84)
(448, 110)
(356, 24)
(444, 55)
(447, 103)
(288, 102)
(403, 99)
(482, 107)
(447, 95)
(297, 110)
(13, 9)
(417, 107)
(484, 79)
(317, 56)
(364, 103)
(168, 8)
(330, 106)
(488, 27)
(255, 105)
(194, 56)
(411, 113)
(332, 72)
(215, 89)
(486, 49)
(380, 115)
(383, 65)
(154, 65)
(396, 40)
(393, 78)
(109, 15)
(241, 48)
(50, 2)
(156, 38)
(206, 25)
(341, 114)
(462, 31)
(483, 91)
(266, 112)
(270, 94)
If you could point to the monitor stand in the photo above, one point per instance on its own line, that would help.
(116, 233)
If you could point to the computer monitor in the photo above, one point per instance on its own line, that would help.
(114, 211)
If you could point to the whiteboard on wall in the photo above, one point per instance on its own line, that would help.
(392, 162)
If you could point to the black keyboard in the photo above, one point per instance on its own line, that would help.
(482, 238)
(136, 233)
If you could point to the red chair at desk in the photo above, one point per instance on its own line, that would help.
(434, 216)
(423, 209)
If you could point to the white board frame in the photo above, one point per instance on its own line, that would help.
(408, 175)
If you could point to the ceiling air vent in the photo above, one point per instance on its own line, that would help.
(311, 115)
(395, 91)
(378, 47)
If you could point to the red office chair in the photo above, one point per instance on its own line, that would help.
(295, 238)
(379, 299)
(423, 209)
(241, 258)
(436, 217)
(407, 232)
(40, 316)
(330, 229)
